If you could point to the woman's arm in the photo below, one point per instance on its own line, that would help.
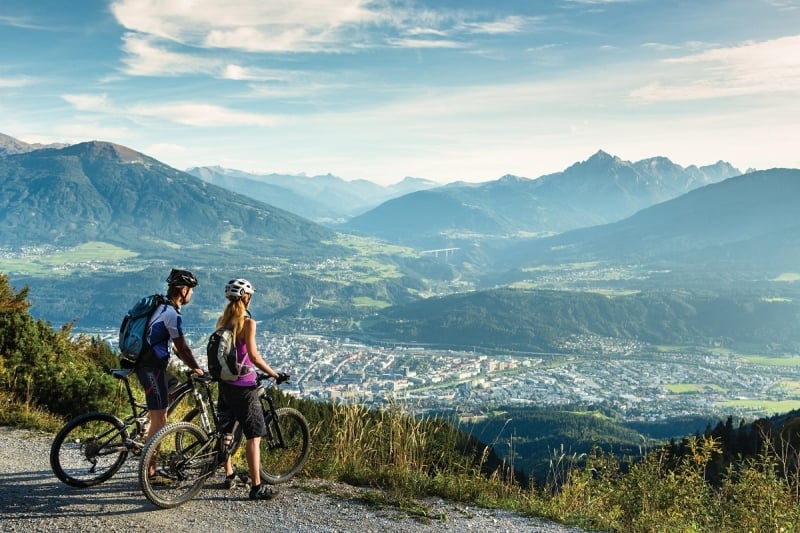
(252, 349)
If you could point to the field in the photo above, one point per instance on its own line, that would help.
(66, 261)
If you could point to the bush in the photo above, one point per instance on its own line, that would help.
(43, 368)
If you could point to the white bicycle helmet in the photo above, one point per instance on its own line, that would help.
(236, 288)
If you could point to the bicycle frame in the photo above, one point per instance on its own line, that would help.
(139, 411)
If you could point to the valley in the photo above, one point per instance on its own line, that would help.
(641, 383)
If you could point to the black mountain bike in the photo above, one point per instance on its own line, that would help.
(185, 455)
(92, 447)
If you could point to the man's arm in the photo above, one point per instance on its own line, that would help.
(185, 354)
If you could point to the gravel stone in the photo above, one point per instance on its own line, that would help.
(32, 499)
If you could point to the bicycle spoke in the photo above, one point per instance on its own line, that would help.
(89, 449)
(184, 457)
(285, 448)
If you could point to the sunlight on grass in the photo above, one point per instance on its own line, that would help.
(770, 407)
(788, 277)
(790, 361)
(66, 261)
(365, 301)
(368, 246)
(690, 388)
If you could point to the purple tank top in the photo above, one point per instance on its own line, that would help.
(249, 379)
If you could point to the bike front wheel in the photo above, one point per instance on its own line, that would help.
(285, 448)
(89, 449)
(183, 457)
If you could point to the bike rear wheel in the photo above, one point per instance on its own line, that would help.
(89, 449)
(184, 457)
(285, 448)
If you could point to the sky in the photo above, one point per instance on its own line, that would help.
(445, 90)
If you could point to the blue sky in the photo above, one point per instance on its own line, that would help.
(445, 90)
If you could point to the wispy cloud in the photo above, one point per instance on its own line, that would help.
(753, 68)
(15, 82)
(20, 22)
(254, 25)
(144, 57)
(88, 102)
(204, 115)
(506, 25)
(424, 43)
(197, 114)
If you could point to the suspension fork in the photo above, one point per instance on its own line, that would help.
(202, 406)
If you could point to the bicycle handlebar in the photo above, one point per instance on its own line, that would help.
(282, 376)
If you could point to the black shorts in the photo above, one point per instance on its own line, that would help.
(244, 404)
(156, 383)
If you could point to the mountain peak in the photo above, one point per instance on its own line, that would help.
(107, 150)
(9, 146)
(511, 178)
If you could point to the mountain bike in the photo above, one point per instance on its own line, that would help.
(185, 455)
(92, 447)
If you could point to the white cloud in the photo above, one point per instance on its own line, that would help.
(753, 68)
(15, 82)
(145, 58)
(204, 115)
(240, 73)
(88, 102)
(298, 25)
(513, 24)
(424, 43)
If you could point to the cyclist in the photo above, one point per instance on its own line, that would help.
(240, 397)
(164, 335)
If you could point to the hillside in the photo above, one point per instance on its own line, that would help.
(545, 320)
(747, 224)
(102, 191)
(123, 219)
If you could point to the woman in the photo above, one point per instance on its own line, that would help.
(240, 397)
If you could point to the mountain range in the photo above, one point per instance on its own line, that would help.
(324, 199)
(602, 189)
(748, 222)
(102, 191)
(709, 228)
(146, 218)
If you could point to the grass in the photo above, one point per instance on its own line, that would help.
(770, 407)
(789, 361)
(788, 277)
(66, 261)
(410, 458)
(691, 388)
(365, 301)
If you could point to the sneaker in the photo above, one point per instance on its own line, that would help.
(262, 492)
(237, 480)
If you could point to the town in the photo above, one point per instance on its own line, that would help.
(642, 383)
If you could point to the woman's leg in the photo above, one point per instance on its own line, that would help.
(253, 453)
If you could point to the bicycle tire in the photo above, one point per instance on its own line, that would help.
(281, 461)
(184, 457)
(89, 449)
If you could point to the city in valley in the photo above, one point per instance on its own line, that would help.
(640, 382)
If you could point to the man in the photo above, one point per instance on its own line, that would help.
(164, 335)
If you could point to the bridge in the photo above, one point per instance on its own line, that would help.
(446, 251)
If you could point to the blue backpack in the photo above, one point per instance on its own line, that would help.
(133, 330)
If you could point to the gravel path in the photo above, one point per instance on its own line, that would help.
(32, 500)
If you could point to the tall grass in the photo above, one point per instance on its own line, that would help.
(414, 457)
